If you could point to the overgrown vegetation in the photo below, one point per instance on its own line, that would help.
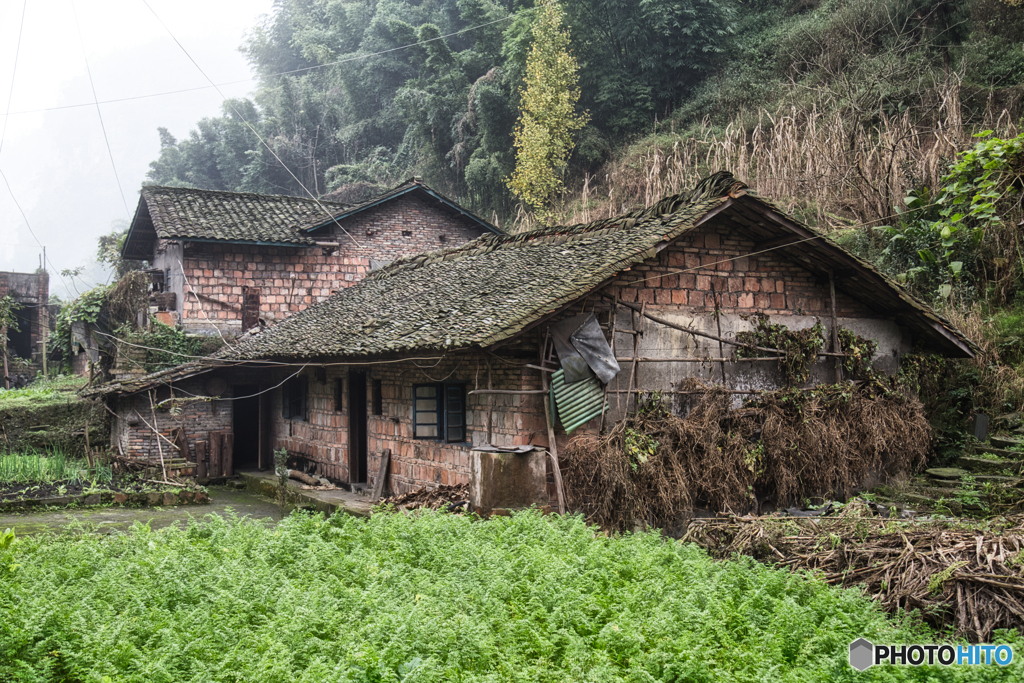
(654, 468)
(38, 468)
(799, 347)
(425, 597)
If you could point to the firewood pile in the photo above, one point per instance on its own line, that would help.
(455, 497)
(959, 574)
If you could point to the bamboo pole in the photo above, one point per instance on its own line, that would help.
(636, 350)
(721, 345)
(552, 446)
(159, 448)
(835, 327)
(690, 330)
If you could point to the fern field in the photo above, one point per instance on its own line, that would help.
(430, 597)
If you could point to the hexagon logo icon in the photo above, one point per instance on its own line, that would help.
(862, 652)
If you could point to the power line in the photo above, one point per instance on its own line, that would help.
(10, 93)
(251, 128)
(99, 113)
(271, 75)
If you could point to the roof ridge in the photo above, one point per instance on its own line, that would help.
(716, 185)
(233, 193)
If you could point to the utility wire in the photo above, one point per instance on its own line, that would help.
(271, 75)
(14, 76)
(259, 137)
(10, 93)
(99, 113)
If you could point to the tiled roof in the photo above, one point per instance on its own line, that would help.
(187, 213)
(488, 290)
(417, 186)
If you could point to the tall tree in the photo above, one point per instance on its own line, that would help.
(544, 134)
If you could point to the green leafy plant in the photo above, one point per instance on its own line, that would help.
(539, 598)
(799, 347)
(639, 447)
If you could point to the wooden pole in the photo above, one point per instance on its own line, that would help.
(835, 327)
(689, 330)
(552, 446)
(721, 346)
(636, 350)
(611, 326)
(490, 404)
(156, 429)
(3, 338)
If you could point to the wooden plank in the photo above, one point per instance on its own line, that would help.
(215, 443)
(201, 470)
(382, 473)
(227, 451)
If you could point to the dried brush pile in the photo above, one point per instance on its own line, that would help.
(964, 577)
(450, 496)
(655, 468)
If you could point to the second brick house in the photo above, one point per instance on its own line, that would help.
(223, 262)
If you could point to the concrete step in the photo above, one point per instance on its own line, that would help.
(1006, 441)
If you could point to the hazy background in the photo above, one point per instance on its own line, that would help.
(55, 159)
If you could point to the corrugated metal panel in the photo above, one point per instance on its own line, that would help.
(577, 403)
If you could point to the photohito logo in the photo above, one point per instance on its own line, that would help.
(864, 653)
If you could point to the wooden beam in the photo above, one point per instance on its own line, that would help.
(382, 473)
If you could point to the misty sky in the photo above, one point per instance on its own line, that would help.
(56, 160)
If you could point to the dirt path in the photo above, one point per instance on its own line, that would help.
(108, 520)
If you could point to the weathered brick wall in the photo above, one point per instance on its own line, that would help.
(290, 280)
(323, 437)
(409, 224)
(32, 291)
(199, 418)
(293, 278)
(716, 262)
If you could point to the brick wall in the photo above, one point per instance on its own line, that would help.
(137, 440)
(32, 291)
(323, 436)
(293, 278)
(766, 283)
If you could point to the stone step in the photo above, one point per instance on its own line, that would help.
(975, 464)
(945, 472)
(1001, 452)
(1006, 441)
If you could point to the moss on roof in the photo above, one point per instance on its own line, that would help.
(188, 213)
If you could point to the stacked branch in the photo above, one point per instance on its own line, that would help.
(451, 496)
(963, 577)
(655, 468)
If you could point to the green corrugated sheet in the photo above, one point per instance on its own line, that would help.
(578, 403)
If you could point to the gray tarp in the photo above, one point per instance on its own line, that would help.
(583, 350)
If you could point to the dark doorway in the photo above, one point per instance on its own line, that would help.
(245, 422)
(21, 339)
(357, 444)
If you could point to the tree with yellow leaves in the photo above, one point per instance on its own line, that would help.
(547, 116)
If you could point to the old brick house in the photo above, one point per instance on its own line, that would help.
(443, 352)
(229, 260)
(27, 345)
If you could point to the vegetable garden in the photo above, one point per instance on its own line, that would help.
(426, 597)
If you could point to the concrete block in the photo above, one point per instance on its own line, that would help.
(507, 480)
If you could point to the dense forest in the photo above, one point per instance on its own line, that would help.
(360, 94)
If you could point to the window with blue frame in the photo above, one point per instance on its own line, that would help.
(439, 412)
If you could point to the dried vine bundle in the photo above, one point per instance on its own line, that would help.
(967, 578)
(655, 468)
